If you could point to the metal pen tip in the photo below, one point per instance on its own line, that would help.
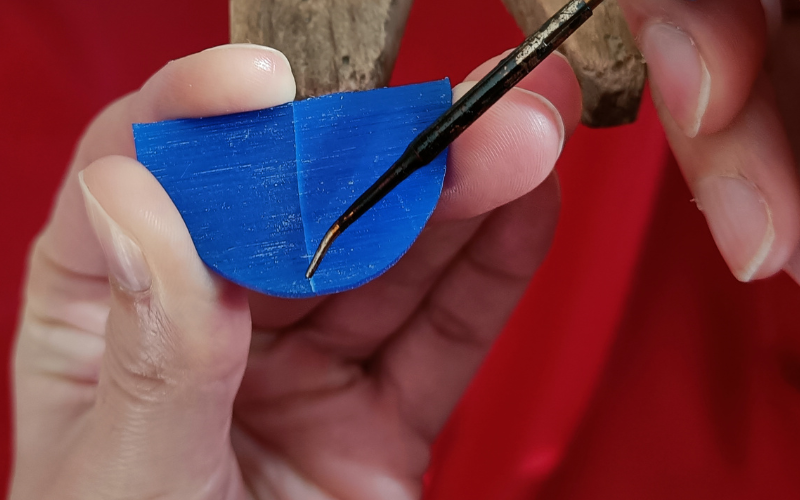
(322, 249)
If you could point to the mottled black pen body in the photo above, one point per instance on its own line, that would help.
(436, 138)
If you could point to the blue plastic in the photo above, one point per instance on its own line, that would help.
(258, 190)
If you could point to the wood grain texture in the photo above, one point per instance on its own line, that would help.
(333, 45)
(603, 53)
(258, 190)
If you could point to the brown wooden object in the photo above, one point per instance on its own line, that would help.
(344, 45)
(333, 45)
(603, 53)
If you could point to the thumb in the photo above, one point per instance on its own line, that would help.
(176, 346)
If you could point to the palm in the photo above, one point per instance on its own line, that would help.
(348, 441)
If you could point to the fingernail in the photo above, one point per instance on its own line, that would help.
(264, 64)
(126, 264)
(740, 221)
(678, 72)
(556, 115)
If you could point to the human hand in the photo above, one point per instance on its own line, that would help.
(715, 67)
(139, 374)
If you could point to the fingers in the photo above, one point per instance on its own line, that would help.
(221, 80)
(703, 57)
(171, 320)
(429, 364)
(177, 339)
(484, 175)
(514, 147)
(229, 79)
(705, 62)
(744, 181)
(225, 79)
(553, 79)
(176, 345)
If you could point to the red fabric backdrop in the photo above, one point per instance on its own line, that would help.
(635, 367)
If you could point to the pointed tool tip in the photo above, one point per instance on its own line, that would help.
(315, 262)
(310, 271)
(324, 245)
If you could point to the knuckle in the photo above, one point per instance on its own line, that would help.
(153, 354)
(143, 361)
(451, 326)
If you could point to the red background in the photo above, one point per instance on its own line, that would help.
(635, 367)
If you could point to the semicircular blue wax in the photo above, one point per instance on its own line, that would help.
(258, 190)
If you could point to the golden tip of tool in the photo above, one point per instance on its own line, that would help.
(322, 249)
(312, 268)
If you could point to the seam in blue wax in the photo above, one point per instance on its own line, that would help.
(300, 189)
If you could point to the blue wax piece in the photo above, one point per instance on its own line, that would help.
(258, 190)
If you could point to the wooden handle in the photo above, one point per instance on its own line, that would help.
(333, 45)
(603, 53)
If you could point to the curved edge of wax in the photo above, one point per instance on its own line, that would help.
(258, 189)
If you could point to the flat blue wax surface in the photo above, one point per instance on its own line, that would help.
(258, 190)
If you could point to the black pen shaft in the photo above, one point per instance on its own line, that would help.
(439, 135)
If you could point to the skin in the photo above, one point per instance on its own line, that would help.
(138, 374)
(171, 383)
(741, 135)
